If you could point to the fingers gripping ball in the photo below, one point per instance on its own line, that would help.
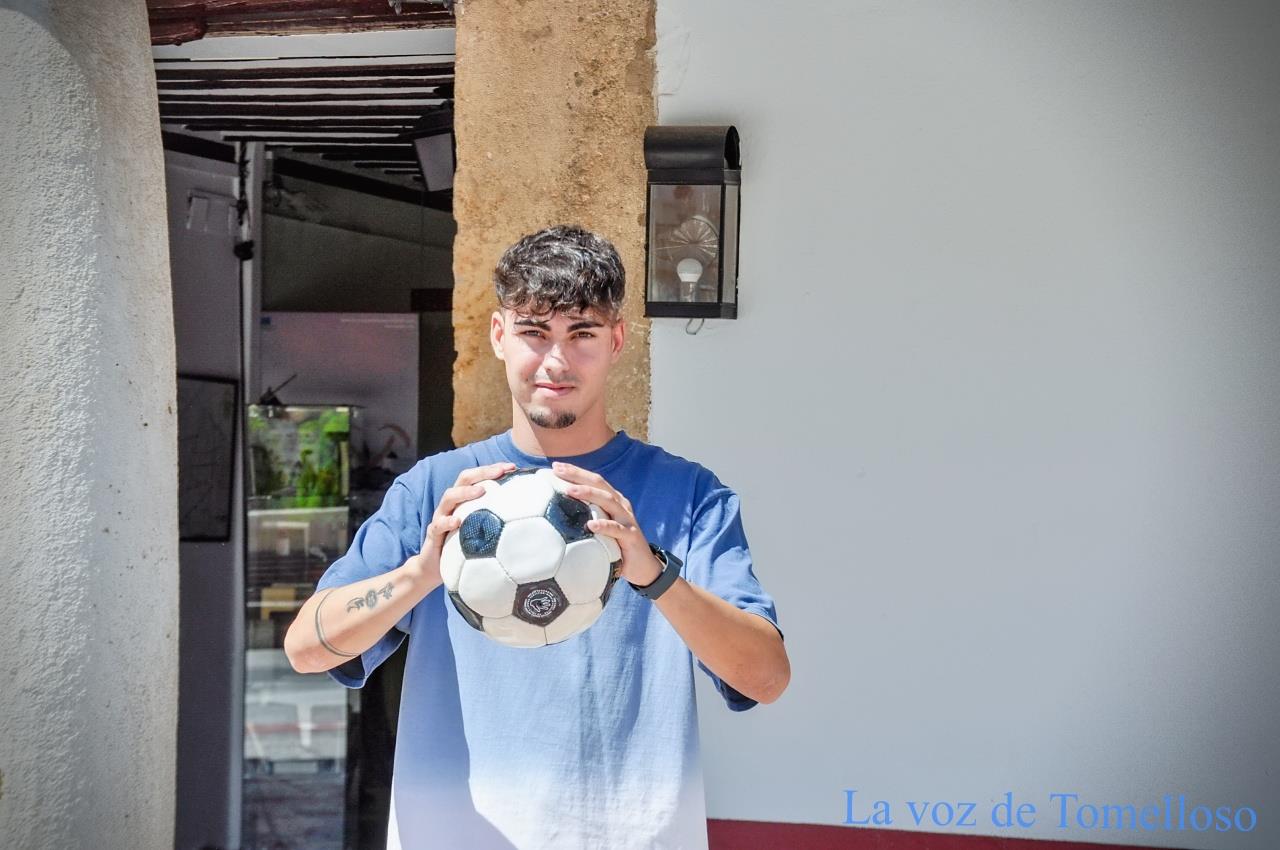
(523, 567)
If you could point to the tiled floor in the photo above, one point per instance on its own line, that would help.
(294, 812)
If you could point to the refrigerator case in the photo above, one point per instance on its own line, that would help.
(296, 726)
(299, 508)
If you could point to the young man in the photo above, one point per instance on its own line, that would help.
(587, 744)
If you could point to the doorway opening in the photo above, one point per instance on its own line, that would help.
(311, 256)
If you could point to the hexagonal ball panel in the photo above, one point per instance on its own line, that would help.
(557, 483)
(464, 509)
(513, 631)
(569, 516)
(486, 587)
(473, 619)
(520, 497)
(584, 571)
(530, 549)
(451, 560)
(480, 532)
(574, 619)
(539, 602)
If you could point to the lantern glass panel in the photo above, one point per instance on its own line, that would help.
(435, 158)
(730, 241)
(684, 243)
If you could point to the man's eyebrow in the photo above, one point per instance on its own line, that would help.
(534, 323)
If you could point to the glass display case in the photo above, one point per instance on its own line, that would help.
(298, 523)
(298, 508)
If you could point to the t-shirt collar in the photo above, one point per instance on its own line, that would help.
(593, 460)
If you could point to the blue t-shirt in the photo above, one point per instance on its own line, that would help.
(588, 743)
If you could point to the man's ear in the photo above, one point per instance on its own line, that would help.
(496, 331)
(619, 334)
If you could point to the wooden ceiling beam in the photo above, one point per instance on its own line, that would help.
(278, 141)
(347, 150)
(280, 25)
(407, 69)
(178, 21)
(383, 134)
(286, 10)
(362, 154)
(264, 110)
(349, 124)
(310, 97)
(429, 88)
(230, 7)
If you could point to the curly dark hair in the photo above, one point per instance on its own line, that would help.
(561, 269)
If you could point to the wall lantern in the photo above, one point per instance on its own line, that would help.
(691, 250)
(433, 142)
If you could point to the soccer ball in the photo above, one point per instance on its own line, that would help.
(523, 568)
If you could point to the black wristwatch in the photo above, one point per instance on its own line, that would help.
(670, 572)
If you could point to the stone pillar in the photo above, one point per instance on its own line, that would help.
(88, 434)
(551, 104)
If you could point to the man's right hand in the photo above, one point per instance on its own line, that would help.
(466, 488)
(322, 636)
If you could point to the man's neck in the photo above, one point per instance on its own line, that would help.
(579, 438)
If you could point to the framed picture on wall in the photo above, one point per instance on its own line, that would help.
(207, 415)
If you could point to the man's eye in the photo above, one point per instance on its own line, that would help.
(579, 334)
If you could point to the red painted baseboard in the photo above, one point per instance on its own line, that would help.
(765, 835)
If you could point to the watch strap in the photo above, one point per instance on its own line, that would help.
(670, 572)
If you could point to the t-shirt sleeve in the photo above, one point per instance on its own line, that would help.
(720, 561)
(383, 542)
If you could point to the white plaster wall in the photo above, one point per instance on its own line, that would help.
(88, 435)
(1001, 403)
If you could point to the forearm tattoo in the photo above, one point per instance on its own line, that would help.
(320, 632)
(370, 599)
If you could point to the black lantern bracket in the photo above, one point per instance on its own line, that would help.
(692, 221)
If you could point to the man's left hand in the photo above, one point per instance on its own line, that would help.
(639, 566)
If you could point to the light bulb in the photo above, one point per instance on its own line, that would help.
(689, 271)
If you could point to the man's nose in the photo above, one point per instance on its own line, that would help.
(556, 355)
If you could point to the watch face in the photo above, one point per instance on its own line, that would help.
(666, 557)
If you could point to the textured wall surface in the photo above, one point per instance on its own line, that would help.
(552, 102)
(1010, 275)
(88, 435)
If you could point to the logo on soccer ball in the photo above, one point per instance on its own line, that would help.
(540, 603)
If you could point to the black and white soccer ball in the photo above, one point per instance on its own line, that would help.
(523, 567)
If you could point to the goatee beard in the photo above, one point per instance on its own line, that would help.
(548, 419)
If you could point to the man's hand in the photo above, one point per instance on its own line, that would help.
(322, 636)
(639, 566)
(742, 648)
(464, 489)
